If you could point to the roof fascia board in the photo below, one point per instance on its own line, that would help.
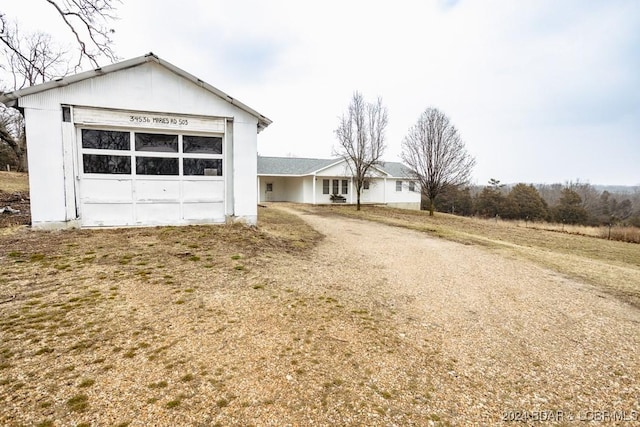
(285, 174)
(75, 78)
(343, 160)
(263, 121)
(328, 166)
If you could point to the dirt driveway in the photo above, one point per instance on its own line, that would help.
(510, 339)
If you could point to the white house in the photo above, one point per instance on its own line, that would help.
(290, 179)
(138, 143)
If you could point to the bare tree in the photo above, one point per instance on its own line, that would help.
(87, 22)
(436, 154)
(34, 58)
(361, 134)
(12, 134)
(40, 59)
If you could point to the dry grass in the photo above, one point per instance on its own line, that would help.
(619, 233)
(14, 192)
(200, 325)
(11, 182)
(612, 265)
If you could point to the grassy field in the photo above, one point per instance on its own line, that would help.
(231, 325)
(88, 316)
(14, 192)
(11, 182)
(611, 265)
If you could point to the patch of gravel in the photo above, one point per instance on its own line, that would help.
(510, 336)
(376, 325)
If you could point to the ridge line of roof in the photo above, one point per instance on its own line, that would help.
(263, 121)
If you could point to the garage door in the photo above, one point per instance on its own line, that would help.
(144, 177)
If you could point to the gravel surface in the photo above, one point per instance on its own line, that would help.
(512, 339)
(375, 325)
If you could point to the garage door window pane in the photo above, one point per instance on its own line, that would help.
(208, 167)
(95, 163)
(156, 142)
(156, 166)
(202, 144)
(105, 140)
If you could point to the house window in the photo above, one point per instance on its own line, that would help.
(345, 186)
(269, 186)
(365, 184)
(336, 186)
(156, 166)
(202, 144)
(412, 186)
(398, 185)
(325, 186)
(110, 152)
(156, 142)
(98, 163)
(66, 114)
(206, 167)
(105, 139)
(109, 162)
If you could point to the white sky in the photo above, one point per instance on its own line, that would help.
(540, 90)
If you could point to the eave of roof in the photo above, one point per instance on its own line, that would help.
(10, 98)
(328, 163)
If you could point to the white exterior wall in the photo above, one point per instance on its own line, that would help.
(300, 190)
(376, 192)
(307, 189)
(149, 87)
(245, 169)
(402, 199)
(285, 189)
(45, 156)
(339, 170)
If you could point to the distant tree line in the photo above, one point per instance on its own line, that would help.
(570, 203)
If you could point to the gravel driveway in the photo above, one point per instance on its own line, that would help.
(509, 338)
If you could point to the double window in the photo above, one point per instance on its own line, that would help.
(111, 152)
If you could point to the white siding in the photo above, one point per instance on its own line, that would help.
(147, 88)
(284, 189)
(245, 170)
(46, 177)
(404, 198)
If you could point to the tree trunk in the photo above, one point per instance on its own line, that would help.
(357, 200)
(23, 165)
(431, 207)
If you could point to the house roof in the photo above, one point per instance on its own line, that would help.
(291, 165)
(296, 166)
(11, 98)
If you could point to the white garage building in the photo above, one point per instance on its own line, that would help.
(138, 143)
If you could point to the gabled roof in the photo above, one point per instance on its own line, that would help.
(10, 98)
(291, 165)
(397, 170)
(295, 166)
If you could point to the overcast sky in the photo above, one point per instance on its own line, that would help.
(540, 90)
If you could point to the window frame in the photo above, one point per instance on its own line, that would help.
(412, 186)
(398, 186)
(335, 186)
(345, 186)
(133, 154)
(326, 186)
